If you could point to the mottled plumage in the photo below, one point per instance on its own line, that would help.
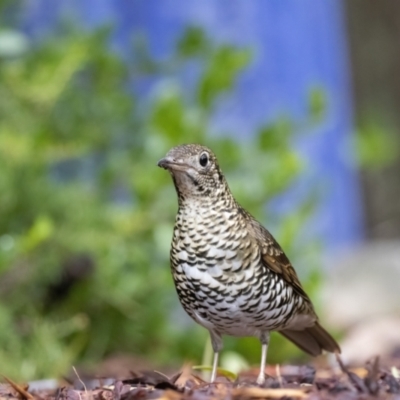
(231, 276)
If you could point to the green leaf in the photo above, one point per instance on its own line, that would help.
(317, 103)
(375, 146)
(221, 73)
(220, 371)
(193, 42)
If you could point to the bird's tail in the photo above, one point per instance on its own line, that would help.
(312, 340)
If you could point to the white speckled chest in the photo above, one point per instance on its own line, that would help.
(219, 276)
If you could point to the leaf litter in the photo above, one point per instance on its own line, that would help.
(373, 380)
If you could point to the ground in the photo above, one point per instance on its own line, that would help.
(374, 379)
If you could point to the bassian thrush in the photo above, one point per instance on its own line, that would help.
(231, 275)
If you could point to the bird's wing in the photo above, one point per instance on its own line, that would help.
(273, 256)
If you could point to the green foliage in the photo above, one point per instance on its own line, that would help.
(375, 145)
(79, 179)
(317, 103)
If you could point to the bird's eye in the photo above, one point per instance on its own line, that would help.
(203, 159)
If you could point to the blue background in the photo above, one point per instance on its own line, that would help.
(296, 45)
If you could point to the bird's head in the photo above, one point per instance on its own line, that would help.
(195, 171)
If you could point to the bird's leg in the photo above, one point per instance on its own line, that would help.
(215, 366)
(216, 342)
(264, 338)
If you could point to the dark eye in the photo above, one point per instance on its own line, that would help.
(203, 159)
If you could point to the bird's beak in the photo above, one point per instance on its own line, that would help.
(171, 163)
(165, 162)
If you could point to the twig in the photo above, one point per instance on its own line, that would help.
(255, 392)
(278, 374)
(19, 389)
(354, 379)
(81, 381)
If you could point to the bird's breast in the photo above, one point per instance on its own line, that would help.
(219, 276)
(213, 245)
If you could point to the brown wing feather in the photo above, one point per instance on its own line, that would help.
(315, 338)
(273, 256)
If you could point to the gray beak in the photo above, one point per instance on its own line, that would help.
(170, 163)
(165, 162)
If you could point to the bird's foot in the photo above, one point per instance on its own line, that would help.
(261, 378)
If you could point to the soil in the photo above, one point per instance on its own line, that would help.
(375, 379)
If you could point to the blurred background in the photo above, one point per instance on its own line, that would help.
(298, 100)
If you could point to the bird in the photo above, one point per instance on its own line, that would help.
(231, 275)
